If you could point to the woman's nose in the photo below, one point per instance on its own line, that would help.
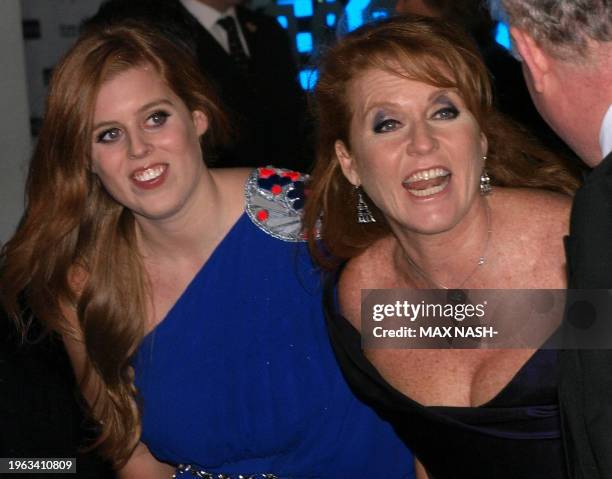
(139, 147)
(421, 139)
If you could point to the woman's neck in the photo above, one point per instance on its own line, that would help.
(195, 230)
(449, 259)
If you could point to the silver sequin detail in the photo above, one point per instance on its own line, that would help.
(284, 221)
(183, 469)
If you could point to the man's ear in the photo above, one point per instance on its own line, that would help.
(347, 163)
(534, 57)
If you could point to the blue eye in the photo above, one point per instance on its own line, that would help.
(385, 126)
(109, 136)
(447, 113)
(158, 118)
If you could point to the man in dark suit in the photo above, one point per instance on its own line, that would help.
(247, 56)
(566, 48)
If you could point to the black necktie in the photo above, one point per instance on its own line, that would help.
(235, 45)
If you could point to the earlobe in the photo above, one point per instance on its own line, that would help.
(347, 163)
(200, 121)
(534, 58)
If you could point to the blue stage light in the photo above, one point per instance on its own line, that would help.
(377, 14)
(308, 78)
(304, 42)
(330, 19)
(284, 22)
(502, 35)
(354, 13)
(302, 8)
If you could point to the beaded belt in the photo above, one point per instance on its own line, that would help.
(183, 469)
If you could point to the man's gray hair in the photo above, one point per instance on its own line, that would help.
(561, 27)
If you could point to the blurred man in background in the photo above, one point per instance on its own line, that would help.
(247, 56)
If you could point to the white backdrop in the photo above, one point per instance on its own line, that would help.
(50, 27)
(14, 128)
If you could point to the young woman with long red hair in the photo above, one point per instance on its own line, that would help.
(184, 294)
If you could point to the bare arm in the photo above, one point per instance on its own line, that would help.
(421, 473)
(142, 465)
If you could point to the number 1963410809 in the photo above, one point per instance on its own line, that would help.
(34, 465)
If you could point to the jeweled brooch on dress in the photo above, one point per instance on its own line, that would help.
(275, 200)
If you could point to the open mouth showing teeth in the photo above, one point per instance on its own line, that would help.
(150, 173)
(427, 182)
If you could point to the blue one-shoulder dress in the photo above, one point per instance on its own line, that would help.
(240, 377)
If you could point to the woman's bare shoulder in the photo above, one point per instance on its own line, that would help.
(548, 198)
(230, 184)
(370, 270)
(232, 178)
(536, 210)
(532, 224)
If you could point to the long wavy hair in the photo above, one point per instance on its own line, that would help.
(431, 51)
(76, 246)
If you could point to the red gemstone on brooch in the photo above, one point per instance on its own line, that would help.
(276, 189)
(292, 175)
(266, 172)
(263, 215)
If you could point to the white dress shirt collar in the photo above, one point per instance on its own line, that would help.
(605, 134)
(208, 18)
(205, 14)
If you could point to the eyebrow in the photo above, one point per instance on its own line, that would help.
(437, 97)
(440, 96)
(147, 106)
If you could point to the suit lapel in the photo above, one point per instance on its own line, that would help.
(249, 29)
(210, 52)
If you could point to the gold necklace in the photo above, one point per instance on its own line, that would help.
(482, 259)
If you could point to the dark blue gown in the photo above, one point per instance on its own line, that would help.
(240, 377)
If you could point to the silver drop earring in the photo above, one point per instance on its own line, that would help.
(485, 180)
(364, 215)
